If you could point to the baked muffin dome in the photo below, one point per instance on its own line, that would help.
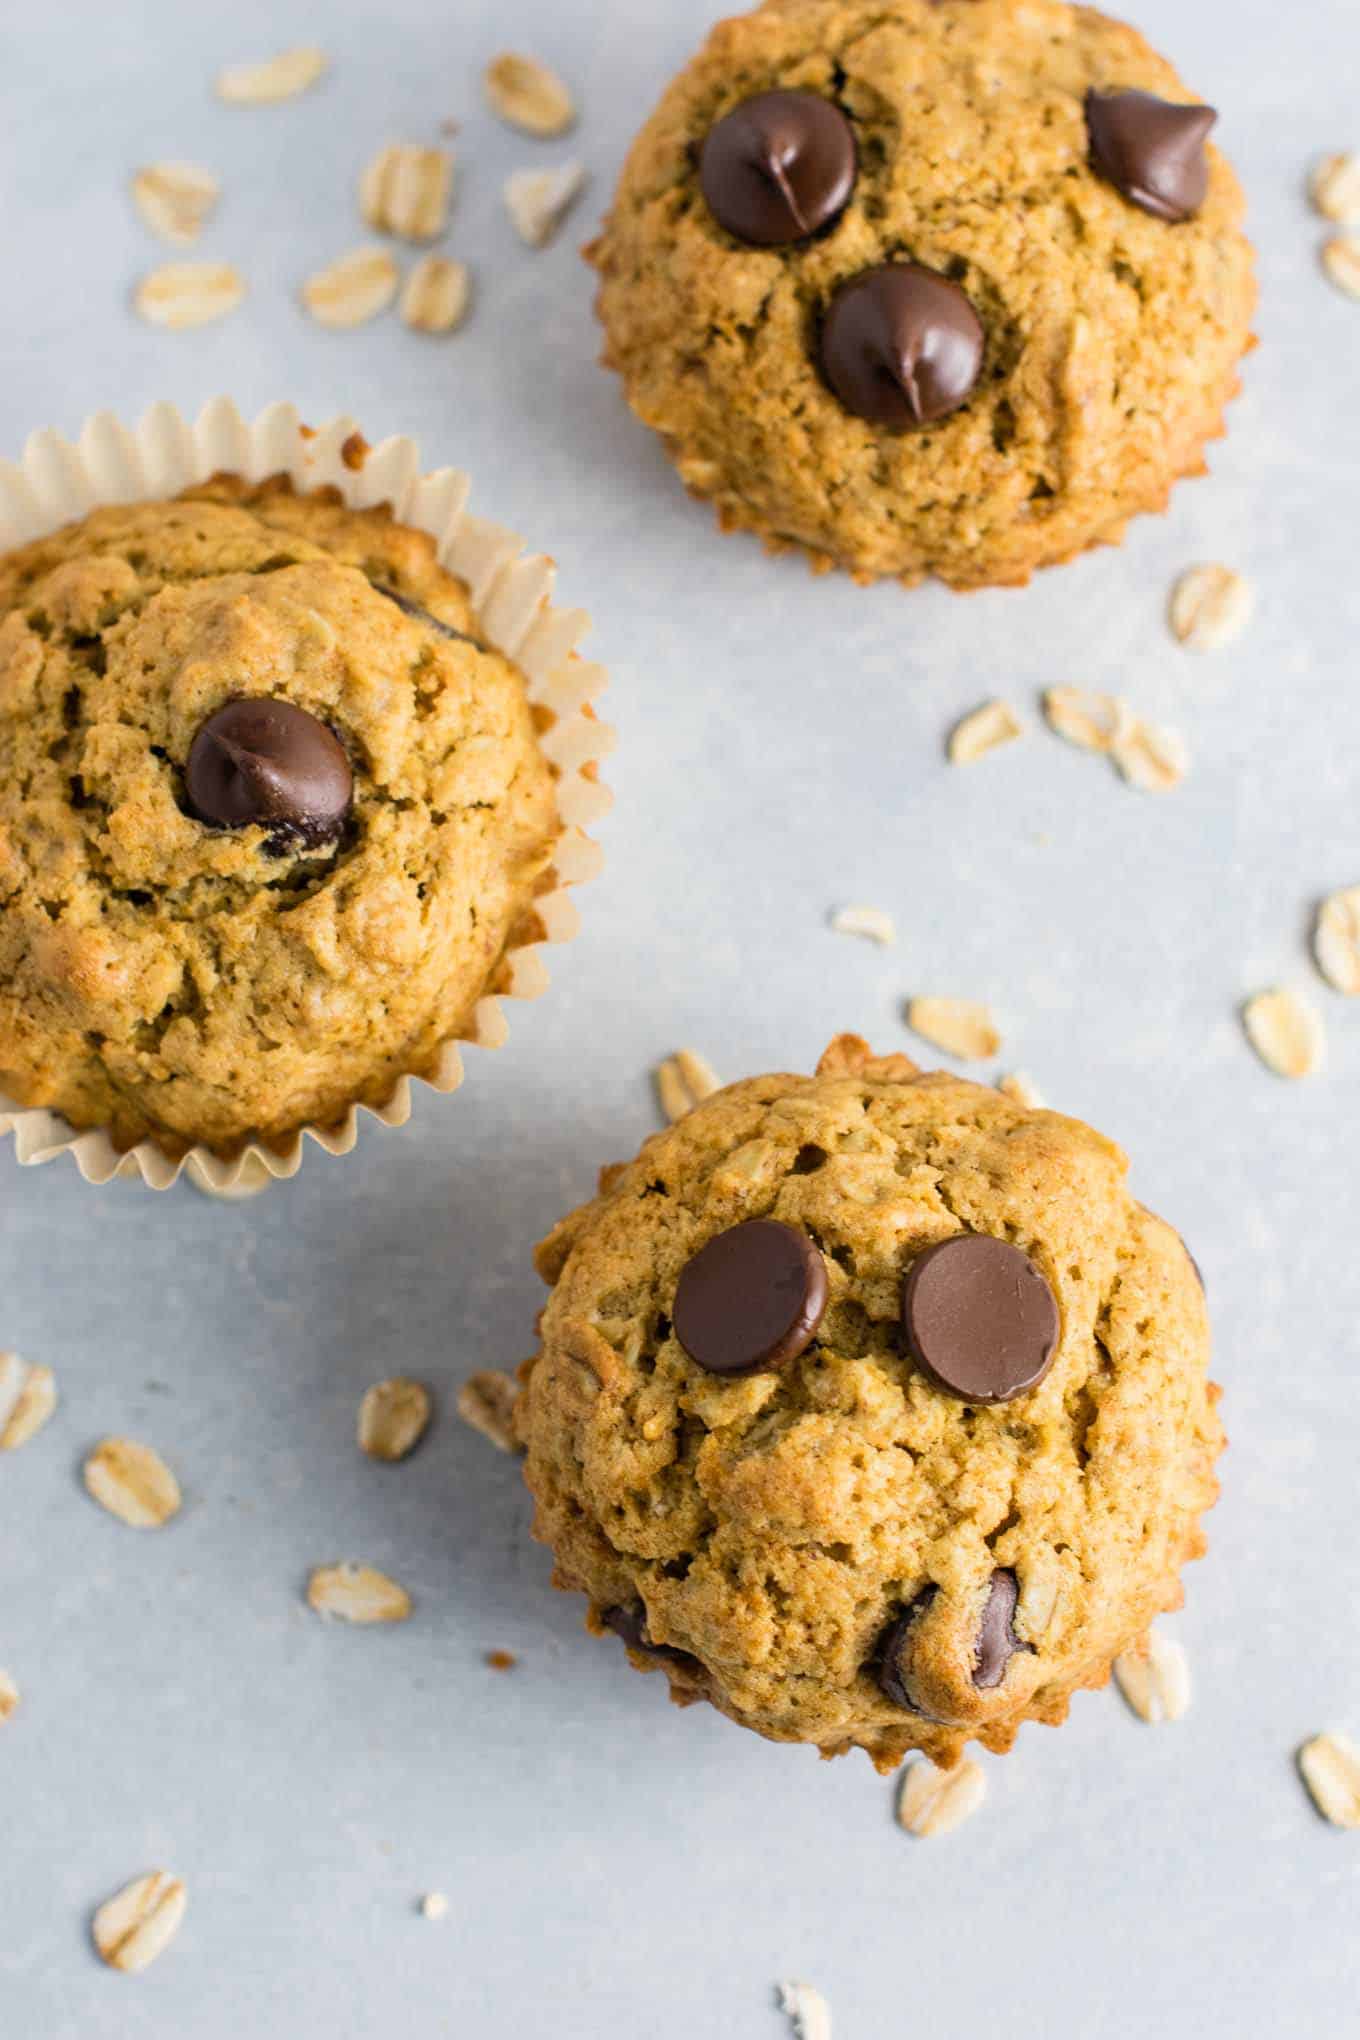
(1008, 176)
(955, 1492)
(270, 815)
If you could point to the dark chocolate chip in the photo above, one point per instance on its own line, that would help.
(997, 1641)
(629, 1624)
(271, 763)
(778, 167)
(980, 1318)
(893, 1665)
(1151, 150)
(751, 1299)
(901, 345)
(419, 615)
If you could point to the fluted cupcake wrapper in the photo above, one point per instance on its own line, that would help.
(56, 482)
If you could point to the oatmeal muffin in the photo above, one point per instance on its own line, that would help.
(271, 814)
(871, 1408)
(948, 287)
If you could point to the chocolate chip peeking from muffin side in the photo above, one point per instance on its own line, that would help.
(995, 1644)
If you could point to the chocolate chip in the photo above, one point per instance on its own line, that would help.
(419, 615)
(1151, 150)
(751, 1299)
(264, 761)
(629, 1624)
(778, 167)
(980, 1318)
(901, 345)
(997, 1641)
(893, 1666)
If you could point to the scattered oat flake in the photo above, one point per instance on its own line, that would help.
(184, 294)
(1091, 721)
(1331, 1770)
(528, 95)
(282, 77)
(486, 1401)
(1285, 1032)
(357, 1593)
(174, 199)
(873, 923)
(9, 1697)
(1335, 188)
(405, 191)
(1021, 1089)
(352, 290)
(808, 2011)
(1210, 606)
(933, 1802)
(393, 1418)
(1341, 260)
(539, 200)
(683, 1081)
(1151, 757)
(1154, 1678)
(138, 1923)
(436, 296)
(986, 729)
(1336, 946)
(133, 1483)
(961, 1027)
(28, 1396)
(434, 1905)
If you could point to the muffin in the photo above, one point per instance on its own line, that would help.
(871, 1408)
(272, 814)
(928, 287)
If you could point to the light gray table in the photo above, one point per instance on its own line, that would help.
(614, 1866)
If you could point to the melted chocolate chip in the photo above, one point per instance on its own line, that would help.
(629, 1624)
(997, 1641)
(419, 615)
(980, 1318)
(751, 1299)
(893, 1667)
(778, 168)
(901, 345)
(1151, 150)
(269, 762)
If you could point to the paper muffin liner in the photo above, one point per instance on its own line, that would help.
(57, 482)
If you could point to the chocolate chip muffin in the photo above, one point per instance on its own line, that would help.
(871, 1408)
(948, 287)
(271, 815)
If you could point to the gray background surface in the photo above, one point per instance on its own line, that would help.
(613, 1865)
